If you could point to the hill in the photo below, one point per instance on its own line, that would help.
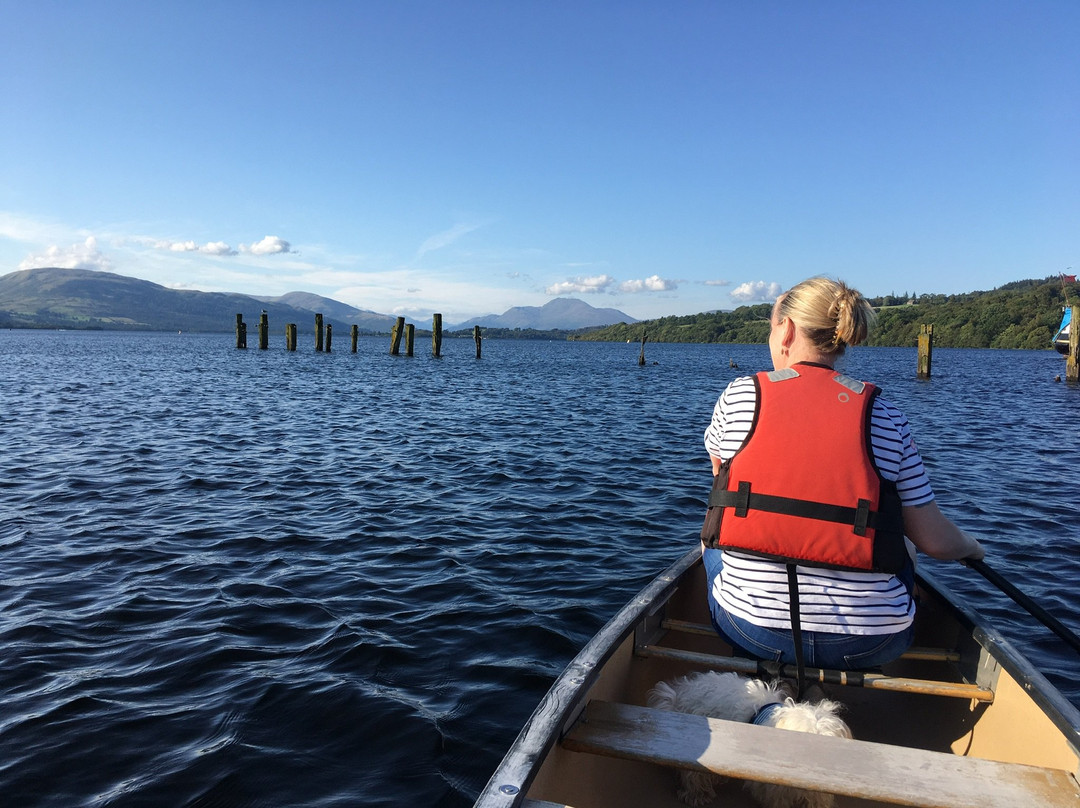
(562, 313)
(82, 298)
(1022, 314)
(336, 310)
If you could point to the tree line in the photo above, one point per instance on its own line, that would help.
(1023, 314)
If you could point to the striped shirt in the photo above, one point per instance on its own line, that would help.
(832, 601)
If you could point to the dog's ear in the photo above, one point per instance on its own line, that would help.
(661, 697)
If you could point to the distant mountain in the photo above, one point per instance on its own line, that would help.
(306, 301)
(562, 313)
(51, 297)
(81, 298)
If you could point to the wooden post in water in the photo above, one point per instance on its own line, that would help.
(477, 339)
(926, 350)
(354, 332)
(641, 356)
(1072, 361)
(241, 332)
(395, 336)
(329, 336)
(290, 337)
(264, 331)
(436, 335)
(318, 333)
(410, 334)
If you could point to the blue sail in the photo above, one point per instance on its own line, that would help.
(1061, 338)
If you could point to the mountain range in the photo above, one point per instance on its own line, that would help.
(51, 297)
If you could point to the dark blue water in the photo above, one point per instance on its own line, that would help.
(247, 578)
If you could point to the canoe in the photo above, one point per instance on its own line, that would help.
(962, 720)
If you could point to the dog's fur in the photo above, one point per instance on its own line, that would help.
(737, 698)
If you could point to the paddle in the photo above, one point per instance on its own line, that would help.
(1036, 611)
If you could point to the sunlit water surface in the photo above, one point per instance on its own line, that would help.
(260, 578)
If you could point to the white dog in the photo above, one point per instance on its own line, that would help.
(737, 698)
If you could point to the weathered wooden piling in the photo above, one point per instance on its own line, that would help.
(410, 334)
(436, 335)
(354, 332)
(329, 336)
(264, 331)
(241, 332)
(395, 336)
(290, 337)
(477, 339)
(1072, 360)
(641, 356)
(926, 350)
(318, 333)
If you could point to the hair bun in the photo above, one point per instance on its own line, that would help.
(832, 314)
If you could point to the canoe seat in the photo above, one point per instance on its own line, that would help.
(863, 769)
(870, 681)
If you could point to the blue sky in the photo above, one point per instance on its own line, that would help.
(465, 157)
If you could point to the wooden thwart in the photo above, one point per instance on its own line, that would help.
(892, 774)
(871, 681)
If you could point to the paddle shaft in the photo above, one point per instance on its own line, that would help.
(1036, 611)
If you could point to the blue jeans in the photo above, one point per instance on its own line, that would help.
(820, 649)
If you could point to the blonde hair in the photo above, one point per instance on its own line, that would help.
(830, 313)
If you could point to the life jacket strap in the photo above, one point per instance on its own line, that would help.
(796, 630)
(744, 500)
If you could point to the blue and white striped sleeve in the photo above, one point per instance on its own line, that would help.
(732, 418)
(896, 455)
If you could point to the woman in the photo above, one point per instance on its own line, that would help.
(817, 473)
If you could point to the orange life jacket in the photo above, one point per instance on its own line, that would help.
(804, 487)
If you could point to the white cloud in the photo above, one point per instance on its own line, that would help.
(717, 283)
(445, 238)
(595, 284)
(756, 292)
(651, 284)
(217, 248)
(23, 228)
(270, 245)
(210, 248)
(78, 256)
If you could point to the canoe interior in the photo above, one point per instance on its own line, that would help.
(1028, 721)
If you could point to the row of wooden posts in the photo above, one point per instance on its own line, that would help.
(401, 328)
(324, 335)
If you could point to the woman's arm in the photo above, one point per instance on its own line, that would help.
(934, 533)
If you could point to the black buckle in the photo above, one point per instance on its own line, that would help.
(742, 499)
(862, 517)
